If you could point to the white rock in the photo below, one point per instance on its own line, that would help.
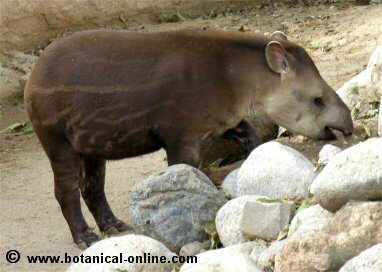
(228, 218)
(230, 259)
(128, 245)
(309, 220)
(257, 251)
(230, 183)
(276, 171)
(266, 259)
(375, 66)
(369, 260)
(327, 152)
(354, 174)
(265, 220)
(365, 88)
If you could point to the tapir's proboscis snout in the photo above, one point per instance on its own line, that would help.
(103, 95)
(340, 119)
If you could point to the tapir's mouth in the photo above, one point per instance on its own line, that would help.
(328, 135)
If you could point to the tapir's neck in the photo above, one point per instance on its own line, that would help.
(252, 80)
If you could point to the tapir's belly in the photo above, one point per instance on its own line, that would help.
(114, 142)
(105, 124)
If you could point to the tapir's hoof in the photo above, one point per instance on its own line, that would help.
(86, 239)
(116, 227)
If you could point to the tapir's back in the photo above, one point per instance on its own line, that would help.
(110, 58)
(90, 69)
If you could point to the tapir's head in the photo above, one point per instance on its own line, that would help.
(300, 100)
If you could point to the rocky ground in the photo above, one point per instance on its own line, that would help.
(339, 36)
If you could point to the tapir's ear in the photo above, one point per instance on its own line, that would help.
(275, 55)
(279, 35)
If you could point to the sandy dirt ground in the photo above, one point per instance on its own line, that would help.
(339, 37)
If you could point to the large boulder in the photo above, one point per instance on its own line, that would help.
(174, 206)
(369, 260)
(354, 174)
(354, 228)
(248, 217)
(276, 171)
(132, 247)
(230, 259)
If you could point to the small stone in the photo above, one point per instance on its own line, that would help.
(264, 219)
(327, 152)
(194, 248)
(228, 218)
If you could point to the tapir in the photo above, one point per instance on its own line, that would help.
(104, 94)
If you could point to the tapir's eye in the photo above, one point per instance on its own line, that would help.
(318, 102)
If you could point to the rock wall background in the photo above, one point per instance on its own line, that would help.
(26, 25)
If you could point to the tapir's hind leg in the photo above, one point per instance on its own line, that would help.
(93, 192)
(66, 165)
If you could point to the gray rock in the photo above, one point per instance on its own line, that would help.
(230, 259)
(174, 206)
(129, 245)
(228, 218)
(309, 220)
(230, 183)
(354, 174)
(327, 152)
(266, 260)
(353, 229)
(369, 260)
(265, 218)
(276, 171)
(194, 248)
